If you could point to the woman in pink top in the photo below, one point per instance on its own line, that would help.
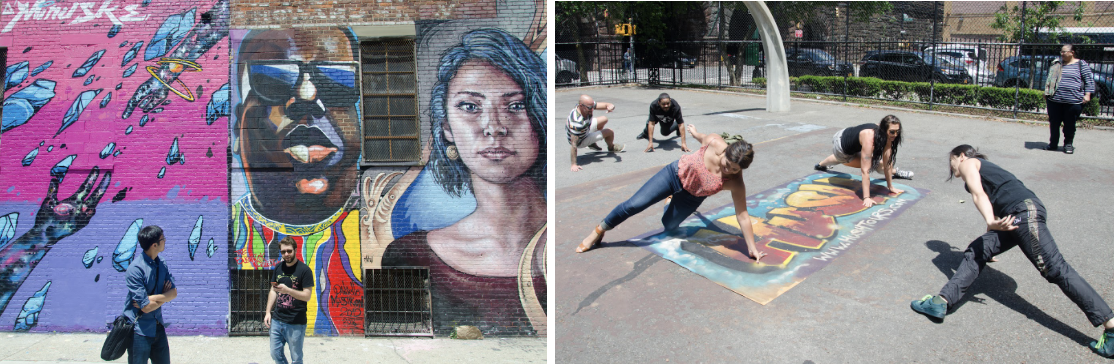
(715, 167)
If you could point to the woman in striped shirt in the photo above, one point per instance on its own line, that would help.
(1070, 84)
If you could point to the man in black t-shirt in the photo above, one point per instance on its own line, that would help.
(667, 112)
(291, 288)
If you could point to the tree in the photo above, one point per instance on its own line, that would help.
(1040, 17)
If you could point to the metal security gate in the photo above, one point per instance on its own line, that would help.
(248, 302)
(398, 302)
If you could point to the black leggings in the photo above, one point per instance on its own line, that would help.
(1066, 114)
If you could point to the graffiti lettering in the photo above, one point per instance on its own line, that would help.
(45, 10)
(861, 228)
(806, 224)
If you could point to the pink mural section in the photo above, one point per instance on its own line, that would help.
(115, 116)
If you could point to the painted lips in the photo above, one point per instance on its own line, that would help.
(310, 154)
(497, 154)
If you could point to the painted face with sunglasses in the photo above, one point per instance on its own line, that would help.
(298, 129)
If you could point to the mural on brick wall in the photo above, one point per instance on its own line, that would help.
(96, 147)
(295, 149)
(476, 212)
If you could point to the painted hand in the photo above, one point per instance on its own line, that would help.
(59, 219)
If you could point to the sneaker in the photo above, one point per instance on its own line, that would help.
(616, 148)
(820, 168)
(1069, 149)
(926, 307)
(1051, 147)
(641, 135)
(595, 147)
(903, 174)
(677, 131)
(1105, 345)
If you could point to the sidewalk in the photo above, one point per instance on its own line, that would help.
(69, 348)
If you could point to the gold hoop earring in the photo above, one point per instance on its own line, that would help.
(452, 153)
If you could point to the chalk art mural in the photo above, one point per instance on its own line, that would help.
(295, 148)
(802, 226)
(93, 150)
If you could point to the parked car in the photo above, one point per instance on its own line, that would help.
(912, 67)
(1014, 71)
(970, 57)
(668, 58)
(809, 61)
(567, 72)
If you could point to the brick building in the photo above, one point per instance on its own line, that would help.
(401, 144)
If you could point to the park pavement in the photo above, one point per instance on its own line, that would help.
(23, 348)
(621, 303)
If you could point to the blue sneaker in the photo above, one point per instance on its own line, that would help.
(932, 310)
(1105, 345)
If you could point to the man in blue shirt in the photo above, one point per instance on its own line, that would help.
(150, 286)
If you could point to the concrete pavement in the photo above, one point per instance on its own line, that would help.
(69, 348)
(621, 303)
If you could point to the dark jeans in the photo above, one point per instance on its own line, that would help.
(664, 127)
(1066, 114)
(1036, 242)
(154, 348)
(663, 184)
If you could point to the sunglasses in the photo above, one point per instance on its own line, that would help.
(276, 81)
(286, 251)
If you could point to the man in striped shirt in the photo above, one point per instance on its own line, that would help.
(1070, 84)
(584, 130)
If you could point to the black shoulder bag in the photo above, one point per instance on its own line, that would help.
(120, 337)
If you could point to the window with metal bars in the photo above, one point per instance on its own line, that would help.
(249, 301)
(398, 302)
(390, 103)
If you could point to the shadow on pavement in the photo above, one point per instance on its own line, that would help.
(596, 157)
(999, 287)
(735, 111)
(1036, 145)
(639, 267)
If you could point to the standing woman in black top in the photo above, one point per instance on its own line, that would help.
(868, 147)
(1014, 217)
(1070, 84)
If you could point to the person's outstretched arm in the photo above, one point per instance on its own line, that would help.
(704, 139)
(969, 170)
(739, 198)
(605, 106)
(575, 141)
(866, 139)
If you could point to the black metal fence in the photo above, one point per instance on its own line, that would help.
(908, 61)
(249, 302)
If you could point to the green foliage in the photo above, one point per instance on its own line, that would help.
(1039, 15)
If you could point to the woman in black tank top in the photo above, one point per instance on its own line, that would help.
(869, 147)
(1014, 216)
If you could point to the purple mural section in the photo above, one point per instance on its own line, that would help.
(112, 120)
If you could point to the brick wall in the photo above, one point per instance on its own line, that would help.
(224, 169)
(140, 101)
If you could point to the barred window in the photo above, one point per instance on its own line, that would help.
(390, 106)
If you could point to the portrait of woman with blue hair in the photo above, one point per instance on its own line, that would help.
(488, 122)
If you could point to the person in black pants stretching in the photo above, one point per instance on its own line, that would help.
(1014, 217)
(1070, 84)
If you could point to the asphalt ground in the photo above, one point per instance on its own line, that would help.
(621, 303)
(16, 348)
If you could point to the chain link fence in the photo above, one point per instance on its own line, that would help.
(933, 53)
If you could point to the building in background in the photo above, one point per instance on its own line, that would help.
(354, 127)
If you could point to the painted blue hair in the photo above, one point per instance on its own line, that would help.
(509, 55)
